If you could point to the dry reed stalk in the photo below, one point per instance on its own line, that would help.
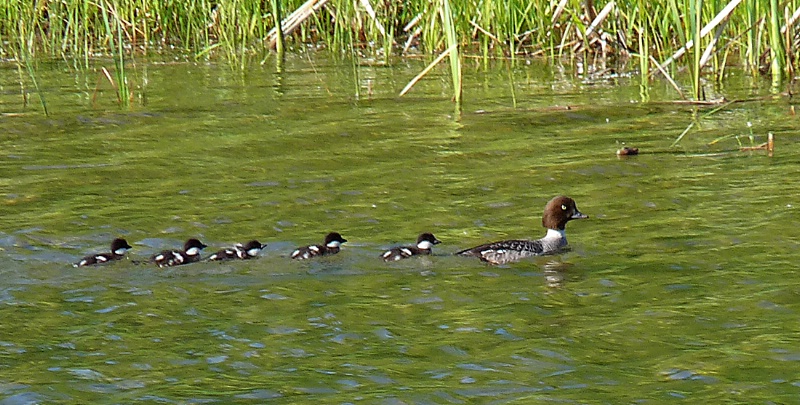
(667, 76)
(557, 12)
(721, 16)
(790, 22)
(484, 32)
(371, 11)
(411, 38)
(107, 75)
(427, 69)
(293, 21)
(600, 18)
(710, 49)
(770, 144)
(412, 23)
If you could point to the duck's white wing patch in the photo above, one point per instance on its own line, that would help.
(425, 245)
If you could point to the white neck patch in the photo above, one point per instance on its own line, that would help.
(333, 244)
(554, 234)
(193, 251)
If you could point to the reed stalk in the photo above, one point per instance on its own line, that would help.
(644, 50)
(752, 49)
(280, 47)
(455, 59)
(775, 44)
(696, 18)
(788, 35)
(354, 65)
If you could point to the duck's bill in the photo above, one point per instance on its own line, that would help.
(578, 215)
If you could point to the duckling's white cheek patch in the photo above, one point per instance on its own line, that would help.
(193, 251)
(334, 244)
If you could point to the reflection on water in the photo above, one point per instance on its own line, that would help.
(680, 286)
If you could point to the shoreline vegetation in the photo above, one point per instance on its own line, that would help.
(654, 38)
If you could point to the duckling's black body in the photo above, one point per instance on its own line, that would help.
(239, 251)
(331, 246)
(189, 254)
(118, 248)
(425, 242)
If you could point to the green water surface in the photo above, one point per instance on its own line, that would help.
(680, 288)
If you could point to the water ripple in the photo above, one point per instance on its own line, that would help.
(86, 373)
(24, 398)
(259, 394)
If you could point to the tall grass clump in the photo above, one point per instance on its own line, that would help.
(21, 51)
(113, 27)
(668, 36)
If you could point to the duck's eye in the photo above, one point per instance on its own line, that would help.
(563, 207)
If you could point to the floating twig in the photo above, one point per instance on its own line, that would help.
(769, 146)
